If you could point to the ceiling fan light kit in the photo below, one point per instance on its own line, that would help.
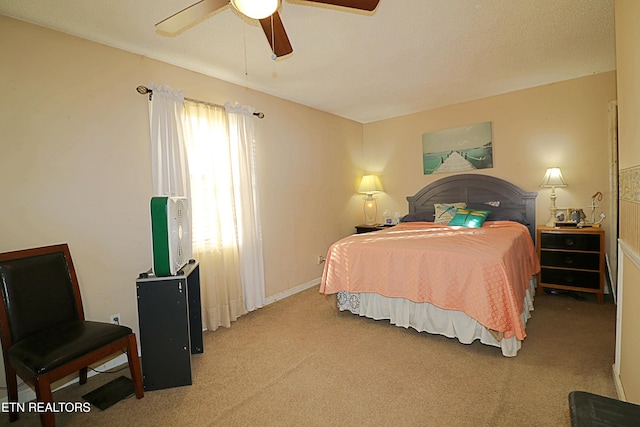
(256, 9)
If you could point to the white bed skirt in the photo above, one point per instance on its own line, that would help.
(425, 317)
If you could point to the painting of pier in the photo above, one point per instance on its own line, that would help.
(458, 149)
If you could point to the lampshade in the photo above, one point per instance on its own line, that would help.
(553, 178)
(256, 9)
(370, 184)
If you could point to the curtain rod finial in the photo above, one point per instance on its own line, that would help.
(142, 90)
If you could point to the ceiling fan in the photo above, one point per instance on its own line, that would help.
(265, 11)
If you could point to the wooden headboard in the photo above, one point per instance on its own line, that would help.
(475, 188)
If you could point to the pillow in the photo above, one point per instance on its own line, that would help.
(501, 214)
(469, 218)
(507, 215)
(418, 217)
(446, 211)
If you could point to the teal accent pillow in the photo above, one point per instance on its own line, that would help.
(469, 218)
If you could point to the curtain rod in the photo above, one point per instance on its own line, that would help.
(143, 90)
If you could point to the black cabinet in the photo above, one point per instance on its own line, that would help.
(170, 323)
(572, 259)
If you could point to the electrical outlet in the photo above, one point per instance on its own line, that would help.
(319, 259)
(115, 319)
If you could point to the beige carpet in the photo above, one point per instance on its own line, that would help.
(298, 362)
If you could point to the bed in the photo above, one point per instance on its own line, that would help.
(464, 282)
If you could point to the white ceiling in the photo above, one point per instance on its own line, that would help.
(406, 56)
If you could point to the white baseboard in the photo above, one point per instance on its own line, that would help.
(292, 291)
(28, 394)
(618, 385)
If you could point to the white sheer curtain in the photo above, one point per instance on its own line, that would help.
(243, 160)
(169, 165)
(222, 188)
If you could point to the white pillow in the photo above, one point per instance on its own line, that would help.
(446, 211)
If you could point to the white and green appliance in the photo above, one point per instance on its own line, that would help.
(170, 234)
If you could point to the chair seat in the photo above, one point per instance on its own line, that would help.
(54, 347)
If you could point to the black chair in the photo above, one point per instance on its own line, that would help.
(590, 410)
(44, 334)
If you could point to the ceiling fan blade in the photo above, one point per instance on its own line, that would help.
(277, 38)
(189, 16)
(368, 5)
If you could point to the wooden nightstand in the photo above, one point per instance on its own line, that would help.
(571, 259)
(369, 228)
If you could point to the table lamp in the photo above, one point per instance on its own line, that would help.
(370, 185)
(553, 178)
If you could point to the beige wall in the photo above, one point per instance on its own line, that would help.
(627, 367)
(75, 164)
(563, 124)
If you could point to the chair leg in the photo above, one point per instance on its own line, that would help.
(12, 389)
(44, 395)
(83, 375)
(134, 366)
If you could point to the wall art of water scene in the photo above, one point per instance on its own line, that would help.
(458, 149)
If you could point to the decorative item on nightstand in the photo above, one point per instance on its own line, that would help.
(553, 178)
(370, 185)
(594, 199)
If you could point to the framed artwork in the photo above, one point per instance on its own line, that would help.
(570, 215)
(561, 215)
(458, 149)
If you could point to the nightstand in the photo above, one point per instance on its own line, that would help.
(369, 228)
(571, 259)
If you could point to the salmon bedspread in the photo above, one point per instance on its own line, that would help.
(483, 272)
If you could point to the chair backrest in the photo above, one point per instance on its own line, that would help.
(39, 290)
